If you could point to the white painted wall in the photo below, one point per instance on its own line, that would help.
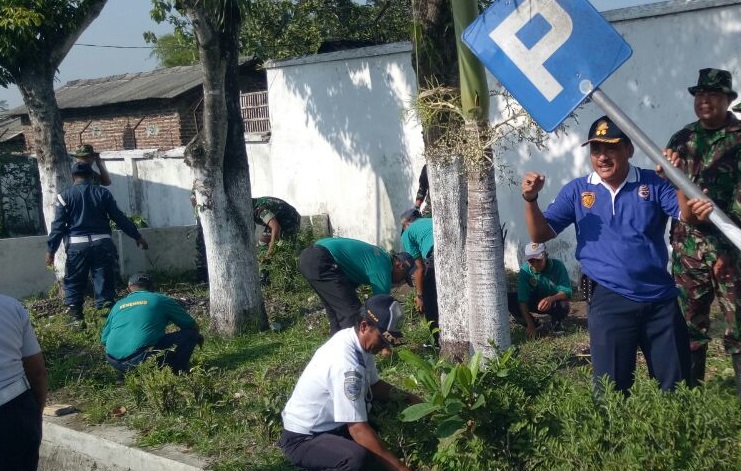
(172, 250)
(340, 142)
(671, 41)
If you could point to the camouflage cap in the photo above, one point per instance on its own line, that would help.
(84, 151)
(714, 80)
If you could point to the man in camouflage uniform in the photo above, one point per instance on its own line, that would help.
(704, 262)
(280, 219)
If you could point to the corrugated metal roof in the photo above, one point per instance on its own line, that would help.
(161, 83)
(10, 128)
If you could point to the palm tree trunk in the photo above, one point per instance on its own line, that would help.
(487, 287)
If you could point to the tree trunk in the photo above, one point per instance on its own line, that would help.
(449, 217)
(487, 287)
(37, 89)
(34, 77)
(222, 183)
(487, 297)
(435, 63)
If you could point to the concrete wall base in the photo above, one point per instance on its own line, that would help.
(71, 446)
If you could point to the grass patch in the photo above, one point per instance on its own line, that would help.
(538, 409)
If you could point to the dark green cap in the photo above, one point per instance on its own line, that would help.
(714, 80)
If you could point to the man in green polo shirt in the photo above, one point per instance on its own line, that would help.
(543, 286)
(135, 329)
(418, 240)
(336, 266)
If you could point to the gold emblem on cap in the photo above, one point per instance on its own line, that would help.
(588, 198)
(602, 128)
(534, 246)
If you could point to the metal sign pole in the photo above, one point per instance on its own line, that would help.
(717, 217)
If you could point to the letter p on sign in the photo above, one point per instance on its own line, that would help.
(549, 54)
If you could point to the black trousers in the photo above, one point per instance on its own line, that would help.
(337, 292)
(334, 450)
(20, 433)
(429, 297)
(558, 311)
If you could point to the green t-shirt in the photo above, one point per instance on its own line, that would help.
(418, 238)
(532, 287)
(140, 320)
(361, 262)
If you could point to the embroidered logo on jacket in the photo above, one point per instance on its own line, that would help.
(353, 385)
(588, 198)
(644, 192)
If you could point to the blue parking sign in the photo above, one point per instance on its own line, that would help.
(549, 54)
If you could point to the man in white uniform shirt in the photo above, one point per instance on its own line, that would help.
(23, 383)
(325, 421)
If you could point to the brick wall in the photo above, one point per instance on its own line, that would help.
(130, 127)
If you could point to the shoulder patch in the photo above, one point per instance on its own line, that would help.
(353, 385)
(644, 192)
(588, 198)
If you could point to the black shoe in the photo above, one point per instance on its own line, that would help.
(76, 319)
(558, 328)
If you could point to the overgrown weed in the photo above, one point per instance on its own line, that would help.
(534, 408)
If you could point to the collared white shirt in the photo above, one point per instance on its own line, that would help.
(17, 340)
(334, 388)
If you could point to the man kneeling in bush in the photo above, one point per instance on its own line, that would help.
(543, 286)
(135, 329)
(326, 419)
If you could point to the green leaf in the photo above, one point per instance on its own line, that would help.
(448, 382)
(454, 407)
(480, 401)
(451, 426)
(414, 360)
(465, 379)
(427, 380)
(473, 366)
(417, 411)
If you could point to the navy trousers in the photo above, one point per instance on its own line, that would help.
(619, 326)
(173, 349)
(334, 450)
(20, 433)
(98, 258)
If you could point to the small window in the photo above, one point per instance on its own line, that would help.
(255, 113)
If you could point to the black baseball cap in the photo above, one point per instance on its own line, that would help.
(604, 130)
(383, 311)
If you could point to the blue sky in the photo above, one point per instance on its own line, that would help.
(122, 23)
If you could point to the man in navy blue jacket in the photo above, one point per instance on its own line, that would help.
(82, 220)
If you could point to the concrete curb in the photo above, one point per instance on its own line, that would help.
(70, 446)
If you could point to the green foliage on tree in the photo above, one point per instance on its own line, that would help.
(275, 29)
(29, 30)
(175, 49)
